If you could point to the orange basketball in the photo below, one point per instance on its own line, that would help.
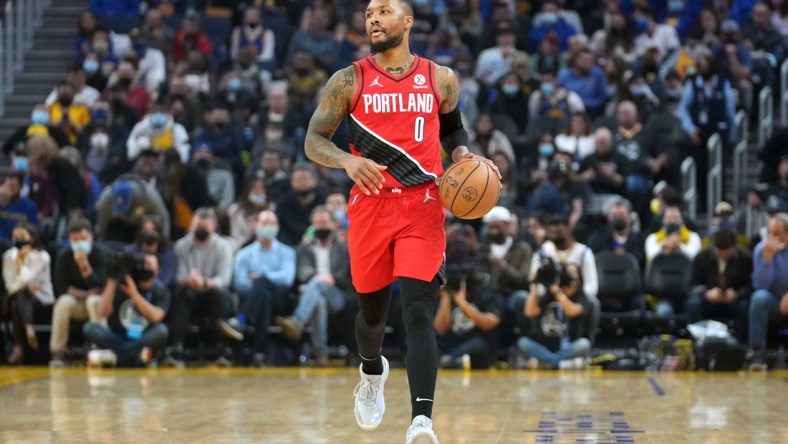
(469, 189)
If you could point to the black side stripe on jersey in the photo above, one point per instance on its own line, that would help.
(407, 170)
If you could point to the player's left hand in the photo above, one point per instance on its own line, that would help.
(485, 160)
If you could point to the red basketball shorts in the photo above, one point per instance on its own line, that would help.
(397, 233)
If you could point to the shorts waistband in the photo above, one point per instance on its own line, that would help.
(393, 193)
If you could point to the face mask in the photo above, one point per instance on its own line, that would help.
(99, 140)
(547, 88)
(727, 223)
(99, 115)
(100, 46)
(40, 117)
(560, 242)
(304, 193)
(641, 26)
(549, 17)
(674, 93)
(201, 234)
(266, 233)
(676, 5)
(149, 238)
(158, 119)
(124, 84)
(258, 199)
(21, 164)
(339, 215)
(251, 25)
(618, 224)
(498, 238)
(509, 89)
(90, 66)
(84, 246)
(637, 90)
(672, 228)
(19, 244)
(546, 149)
(322, 233)
(234, 85)
(273, 134)
(192, 81)
(221, 126)
(203, 163)
(66, 101)
(611, 90)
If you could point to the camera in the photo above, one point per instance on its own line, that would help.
(122, 263)
(551, 272)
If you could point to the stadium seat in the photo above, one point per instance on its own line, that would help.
(668, 276)
(119, 24)
(619, 280)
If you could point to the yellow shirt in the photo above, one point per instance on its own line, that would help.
(77, 115)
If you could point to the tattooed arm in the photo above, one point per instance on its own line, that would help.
(449, 90)
(333, 106)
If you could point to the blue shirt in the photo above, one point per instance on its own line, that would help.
(20, 210)
(772, 276)
(591, 88)
(277, 264)
(689, 95)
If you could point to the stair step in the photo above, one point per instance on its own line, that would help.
(23, 98)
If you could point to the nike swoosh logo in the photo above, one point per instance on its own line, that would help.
(423, 399)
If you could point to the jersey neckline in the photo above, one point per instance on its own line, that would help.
(408, 73)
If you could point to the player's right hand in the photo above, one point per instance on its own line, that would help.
(365, 173)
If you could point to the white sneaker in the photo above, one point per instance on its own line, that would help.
(100, 358)
(370, 404)
(420, 432)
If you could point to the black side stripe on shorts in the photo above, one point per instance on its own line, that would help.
(407, 170)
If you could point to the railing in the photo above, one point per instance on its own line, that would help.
(689, 178)
(765, 115)
(16, 37)
(740, 153)
(784, 93)
(714, 174)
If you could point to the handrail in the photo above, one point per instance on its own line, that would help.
(765, 114)
(714, 174)
(740, 153)
(689, 178)
(784, 93)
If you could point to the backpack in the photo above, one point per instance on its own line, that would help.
(667, 353)
(720, 354)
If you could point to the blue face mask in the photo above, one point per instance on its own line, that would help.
(90, 66)
(510, 89)
(550, 17)
(234, 85)
(547, 88)
(546, 149)
(82, 245)
(637, 90)
(676, 5)
(641, 26)
(40, 117)
(339, 215)
(611, 90)
(20, 164)
(266, 233)
(99, 115)
(674, 93)
(158, 119)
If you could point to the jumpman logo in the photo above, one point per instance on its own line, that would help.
(376, 82)
(428, 197)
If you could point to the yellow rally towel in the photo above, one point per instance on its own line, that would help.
(163, 141)
(182, 213)
(684, 234)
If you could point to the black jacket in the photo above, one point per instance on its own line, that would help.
(339, 261)
(738, 271)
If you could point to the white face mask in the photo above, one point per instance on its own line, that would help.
(193, 81)
(99, 140)
(273, 135)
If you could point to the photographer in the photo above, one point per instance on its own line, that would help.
(557, 333)
(135, 307)
(469, 313)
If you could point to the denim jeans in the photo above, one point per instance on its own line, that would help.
(126, 349)
(476, 347)
(579, 348)
(260, 305)
(699, 309)
(315, 303)
(763, 305)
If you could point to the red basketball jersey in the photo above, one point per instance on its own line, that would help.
(394, 121)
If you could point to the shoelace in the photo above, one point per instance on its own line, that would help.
(370, 391)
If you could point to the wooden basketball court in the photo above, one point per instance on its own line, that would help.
(39, 405)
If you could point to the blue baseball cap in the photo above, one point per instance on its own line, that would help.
(121, 197)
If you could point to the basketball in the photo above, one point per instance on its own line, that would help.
(469, 189)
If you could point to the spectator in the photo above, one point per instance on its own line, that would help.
(190, 38)
(150, 241)
(316, 39)
(85, 29)
(770, 281)
(617, 40)
(244, 211)
(271, 169)
(493, 63)
(324, 276)
(296, 207)
(547, 57)
(734, 61)
(634, 88)
(303, 79)
(124, 8)
(656, 35)
(78, 280)
(125, 205)
(156, 34)
(184, 103)
(103, 143)
(67, 116)
(605, 169)
(511, 103)
(222, 137)
(127, 79)
(135, 309)
(277, 108)
(243, 101)
(765, 44)
(84, 94)
(779, 19)
(552, 22)
(158, 131)
(152, 65)
(251, 35)
(218, 175)
(571, 17)
(121, 111)
(513, 191)
(91, 188)
(588, 81)
(487, 140)
(673, 238)
(55, 185)
(336, 203)
(95, 77)
(184, 189)
(204, 276)
(39, 125)
(14, 209)
(552, 104)
(619, 236)
(578, 139)
(28, 283)
(722, 283)
(101, 46)
(445, 45)
(263, 273)
(558, 336)
(562, 194)
(724, 218)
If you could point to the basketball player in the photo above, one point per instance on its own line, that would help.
(401, 109)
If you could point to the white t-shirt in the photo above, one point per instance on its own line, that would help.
(322, 261)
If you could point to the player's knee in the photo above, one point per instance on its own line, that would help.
(418, 315)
